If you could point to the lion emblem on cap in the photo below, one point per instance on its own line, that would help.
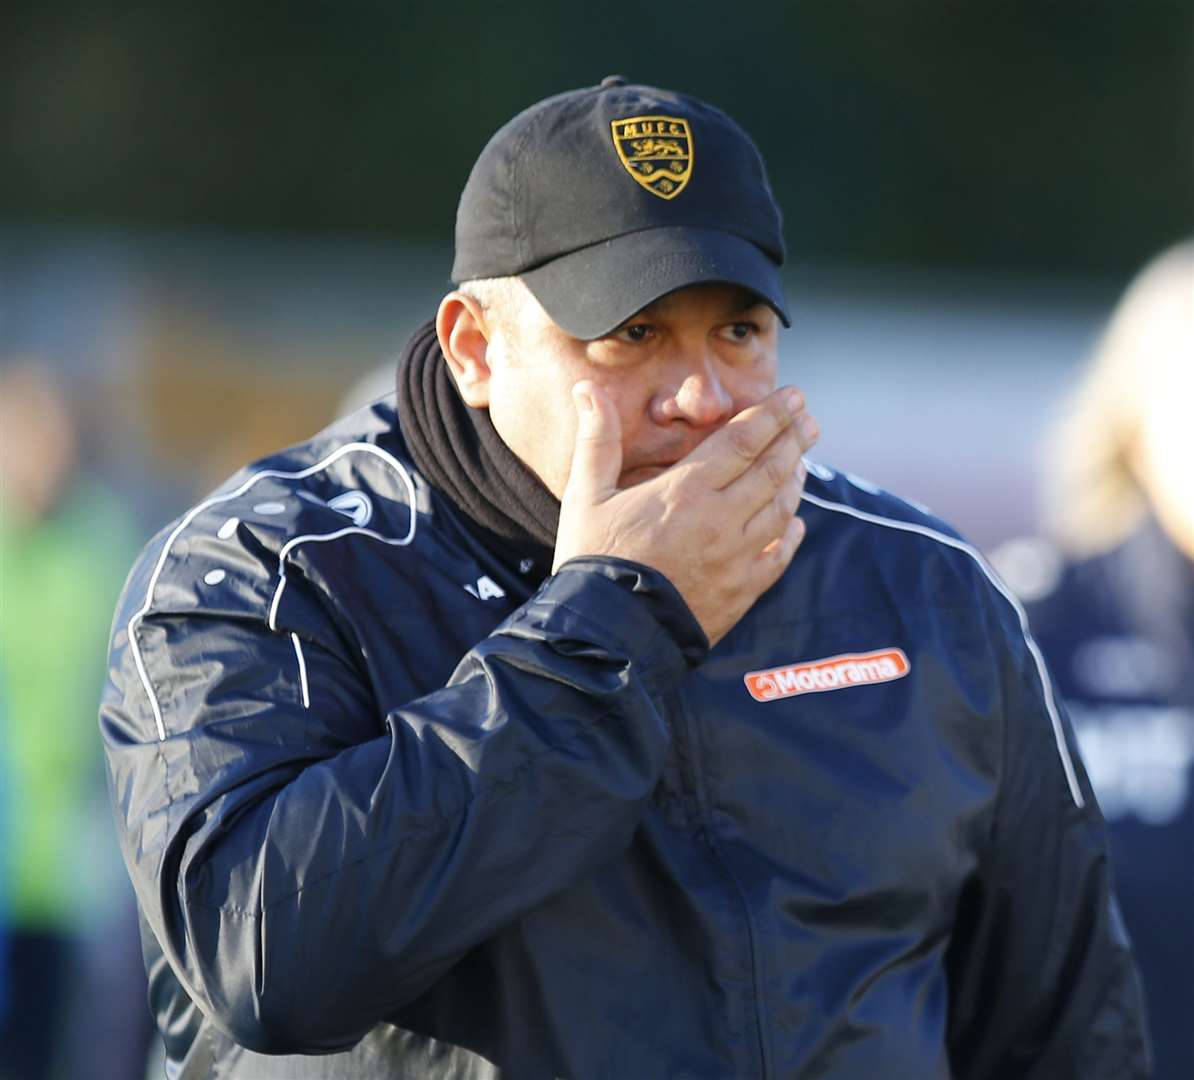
(656, 151)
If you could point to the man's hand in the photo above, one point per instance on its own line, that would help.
(720, 524)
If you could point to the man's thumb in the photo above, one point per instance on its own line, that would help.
(597, 453)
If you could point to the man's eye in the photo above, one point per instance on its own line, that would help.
(634, 333)
(740, 331)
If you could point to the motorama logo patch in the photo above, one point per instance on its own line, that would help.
(832, 673)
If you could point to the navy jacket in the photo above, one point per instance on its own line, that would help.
(386, 801)
(1118, 631)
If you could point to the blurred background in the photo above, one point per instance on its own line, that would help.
(219, 222)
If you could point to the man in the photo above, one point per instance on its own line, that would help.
(505, 735)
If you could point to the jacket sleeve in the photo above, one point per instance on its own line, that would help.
(1043, 983)
(304, 874)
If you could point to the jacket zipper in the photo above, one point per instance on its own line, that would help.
(705, 825)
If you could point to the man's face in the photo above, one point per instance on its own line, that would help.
(676, 372)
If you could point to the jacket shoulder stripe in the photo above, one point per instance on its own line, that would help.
(318, 538)
(1039, 660)
(302, 666)
(215, 500)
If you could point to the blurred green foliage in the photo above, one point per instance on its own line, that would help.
(1042, 134)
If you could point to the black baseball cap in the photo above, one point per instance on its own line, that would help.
(605, 199)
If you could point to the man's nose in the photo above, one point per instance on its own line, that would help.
(700, 398)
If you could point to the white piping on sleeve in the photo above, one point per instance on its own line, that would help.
(215, 500)
(318, 538)
(302, 664)
(960, 545)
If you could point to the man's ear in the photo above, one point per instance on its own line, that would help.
(463, 333)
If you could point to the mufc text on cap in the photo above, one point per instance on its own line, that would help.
(657, 151)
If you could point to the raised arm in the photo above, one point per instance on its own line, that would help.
(278, 849)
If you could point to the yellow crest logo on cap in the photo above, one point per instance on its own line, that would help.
(656, 151)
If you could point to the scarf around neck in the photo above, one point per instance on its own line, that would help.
(459, 451)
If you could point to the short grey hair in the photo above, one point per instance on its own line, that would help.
(498, 296)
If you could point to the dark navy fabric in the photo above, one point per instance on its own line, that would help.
(1118, 631)
(393, 810)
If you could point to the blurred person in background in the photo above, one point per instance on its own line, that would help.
(5, 817)
(1111, 601)
(64, 542)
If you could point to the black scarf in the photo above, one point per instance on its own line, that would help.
(460, 452)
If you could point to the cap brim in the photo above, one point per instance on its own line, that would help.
(592, 291)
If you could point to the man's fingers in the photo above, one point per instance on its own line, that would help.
(808, 431)
(728, 453)
(776, 466)
(768, 476)
(597, 450)
(774, 558)
(773, 518)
